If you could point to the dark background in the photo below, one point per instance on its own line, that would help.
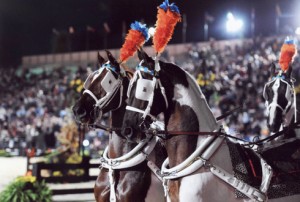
(30, 27)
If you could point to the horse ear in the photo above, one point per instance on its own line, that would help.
(101, 60)
(112, 60)
(289, 71)
(140, 54)
(144, 56)
(273, 68)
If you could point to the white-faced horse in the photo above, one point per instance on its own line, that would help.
(199, 166)
(280, 98)
(124, 174)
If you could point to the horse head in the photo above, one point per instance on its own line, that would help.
(103, 91)
(279, 95)
(146, 97)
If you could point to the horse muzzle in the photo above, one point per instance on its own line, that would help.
(145, 123)
(128, 134)
(79, 113)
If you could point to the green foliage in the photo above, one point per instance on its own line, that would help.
(26, 189)
(43, 193)
(3, 153)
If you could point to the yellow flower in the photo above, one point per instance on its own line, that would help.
(78, 82)
(31, 179)
(72, 83)
(79, 88)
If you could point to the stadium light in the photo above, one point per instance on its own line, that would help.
(233, 25)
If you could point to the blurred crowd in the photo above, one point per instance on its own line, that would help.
(35, 105)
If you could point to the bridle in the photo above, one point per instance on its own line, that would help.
(140, 152)
(145, 89)
(110, 84)
(290, 95)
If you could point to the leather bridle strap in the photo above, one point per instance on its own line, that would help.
(103, 127)
(106, 99)
(134, 109)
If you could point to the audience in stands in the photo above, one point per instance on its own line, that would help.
(34, 106)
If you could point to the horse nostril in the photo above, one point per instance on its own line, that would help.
(79, 113)
(128, 131)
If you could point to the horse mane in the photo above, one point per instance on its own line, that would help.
(195, 98)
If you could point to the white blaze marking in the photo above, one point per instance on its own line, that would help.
(274, 100)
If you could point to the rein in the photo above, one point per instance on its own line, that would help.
(103, 127)
(284, 130)
(167, 134)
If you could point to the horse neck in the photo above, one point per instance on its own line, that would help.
(189, 113)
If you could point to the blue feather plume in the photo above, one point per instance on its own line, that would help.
(165, 5)
(289, 41)
(141, 28)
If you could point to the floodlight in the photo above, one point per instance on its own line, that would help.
(233, 24)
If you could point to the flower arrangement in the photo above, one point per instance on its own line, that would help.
(26, 189)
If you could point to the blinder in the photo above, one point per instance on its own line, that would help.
(144, 89)
(90, 78)
(289, 90)
(109, 82)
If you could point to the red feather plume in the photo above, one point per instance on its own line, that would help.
(165, 24)
(133, 40)
(287, 53)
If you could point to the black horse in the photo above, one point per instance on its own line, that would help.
(124, 175)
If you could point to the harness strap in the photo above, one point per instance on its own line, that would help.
(228, 113)
(164, 134)
(192, 164)
(136, 156)
(155, 170)
(284, 130)
(276, 105)
(112, 182)
(91, 94)
(103, 127)
(150, 101)
(243, 187)
(134, 109)
(267, 173)
(163, 92)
